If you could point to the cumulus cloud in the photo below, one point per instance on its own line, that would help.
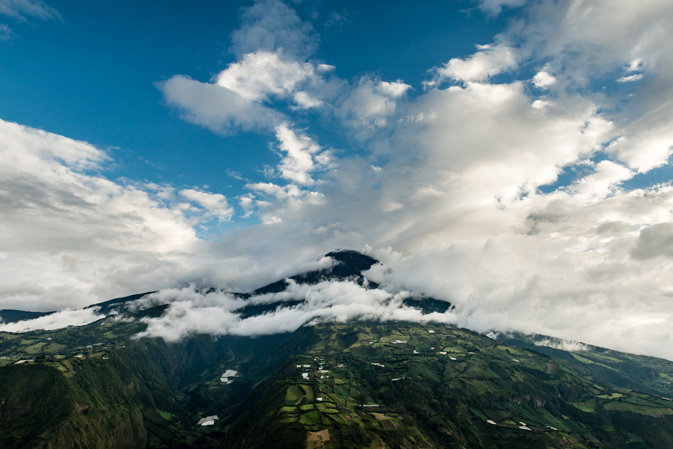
(654, 241)
(263, 73)
(215, 203)
(72, 237)
(644, 150)
(543, 80)
(215, 107)
(371, 102)
(488, 61)
(272, 47)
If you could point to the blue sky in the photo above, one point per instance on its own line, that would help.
(512, 157)
(91, 75)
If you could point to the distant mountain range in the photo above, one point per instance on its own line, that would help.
(359, 384)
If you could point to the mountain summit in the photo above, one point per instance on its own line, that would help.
(348, 265)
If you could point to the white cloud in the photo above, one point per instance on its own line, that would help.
(302, 156)
(215, 203)
(56, 320)
(565, 345)
(644, 150)
(603, 182)
(263, 73)
(72, 237)
(490, 60)
(21, 9)
(634, 65)
(456, 189)
(215, 107)
(215, 313)
(243, 95)
(494, 7)
(630, 78)
(371, 102)
(654, 241)
(247, 203)
(542, 80)
(271, 25)
(449, 197)
(5, 33)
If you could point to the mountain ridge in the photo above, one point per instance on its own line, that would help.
(331, 384)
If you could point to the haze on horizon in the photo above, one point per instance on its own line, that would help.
(523, 173)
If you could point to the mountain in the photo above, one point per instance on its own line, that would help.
(14, 316)
(355, 384)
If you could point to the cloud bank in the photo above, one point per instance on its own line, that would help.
(57, 320)
(501, 184)
(214, 313)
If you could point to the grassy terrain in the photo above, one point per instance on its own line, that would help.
(369, 385)
(389, 385)
(636, 372)
(114, 391)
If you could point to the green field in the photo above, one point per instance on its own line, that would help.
(383, 385)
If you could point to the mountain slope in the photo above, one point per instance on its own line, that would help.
(355, 384)
(638, 372)
(418, 386)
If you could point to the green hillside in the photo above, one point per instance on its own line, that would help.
(352, 385)
(417, 386)
(631, 371)
(360, 384)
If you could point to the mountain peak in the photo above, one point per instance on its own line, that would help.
(349, 265)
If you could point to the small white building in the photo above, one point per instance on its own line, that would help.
(225, 378)
(304, 375)
(208, 421)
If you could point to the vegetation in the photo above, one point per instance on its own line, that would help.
(334, 385)
(410, 385)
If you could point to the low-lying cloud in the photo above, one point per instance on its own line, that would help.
(214, 313)
(57, 320)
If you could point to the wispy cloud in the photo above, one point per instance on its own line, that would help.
(23, 9)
